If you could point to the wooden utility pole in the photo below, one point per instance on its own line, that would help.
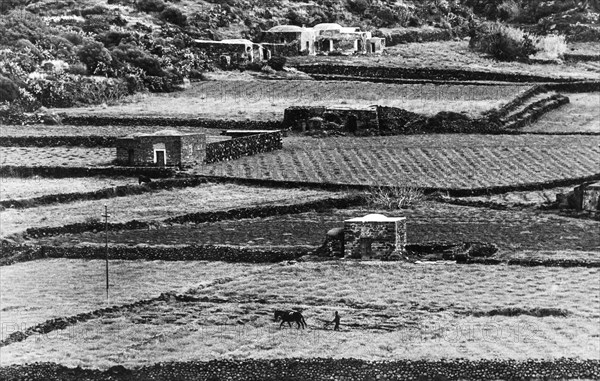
(105, 215)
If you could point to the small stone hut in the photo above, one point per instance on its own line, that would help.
(162, 148)
(374, 236)
(348, 118)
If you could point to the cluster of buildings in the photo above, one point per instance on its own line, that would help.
(292, 40)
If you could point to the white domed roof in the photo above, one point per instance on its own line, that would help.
(327, 26)
(285, 28)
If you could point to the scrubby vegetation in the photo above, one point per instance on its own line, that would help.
(507, 43)
(49, 48)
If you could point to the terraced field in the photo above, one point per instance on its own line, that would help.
(395, 311)
(70, 130)
(455, 55)
(154, 206)
(13, 188)
(267, 100)
(443, 161)
(510, 230)
(57, 156)
(579, 115)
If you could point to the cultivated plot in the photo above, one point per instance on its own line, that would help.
(13, 188)
(57, 156)
(36, 291)
(395, 311)
(439, 161)
(510, 230)
(267, 100)
(157, 205)
(455, 55)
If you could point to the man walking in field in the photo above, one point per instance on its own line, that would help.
(336, 321)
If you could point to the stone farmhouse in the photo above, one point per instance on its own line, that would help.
(233, 51)
(322, 38)
(162, 148)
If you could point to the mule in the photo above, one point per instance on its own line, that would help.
(290, 317)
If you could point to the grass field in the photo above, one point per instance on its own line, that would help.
(12, 188)
(57, 156)
(154, 206)
(455, 55)
(108, 130)
(36, 291)
(395, 311)
(448, 161)
(580, 115)
(429, 221)
(267, 100)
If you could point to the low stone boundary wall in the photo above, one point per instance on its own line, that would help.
(249, 145)
(231, 214)
(424, 73)
(63, 172)
(57, 141)
(321, 369)
(222, 124)
(534, 111)
(21, 253)
(117, 191)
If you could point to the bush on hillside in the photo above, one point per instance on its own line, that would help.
(73, 37)
(127, 53)
(95, 56)
(150, 5)
(509, 10)
(174, 16)
(502, 42)
(551, 47)
(22, 25)
(9, 91)
(95, 10)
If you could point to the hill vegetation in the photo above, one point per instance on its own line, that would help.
(65, 53)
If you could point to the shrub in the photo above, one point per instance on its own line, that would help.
(9, 91)
(359, 6)
(551, 47)
(95, 56)
(174, 16)
(95, 10)
(394, 197)
(112, 38)
(77, 69)
(73, 37)
(22, 25)
(502, 42)
(277, 62)
(150, 5)
(139, 58)
(509, 10)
